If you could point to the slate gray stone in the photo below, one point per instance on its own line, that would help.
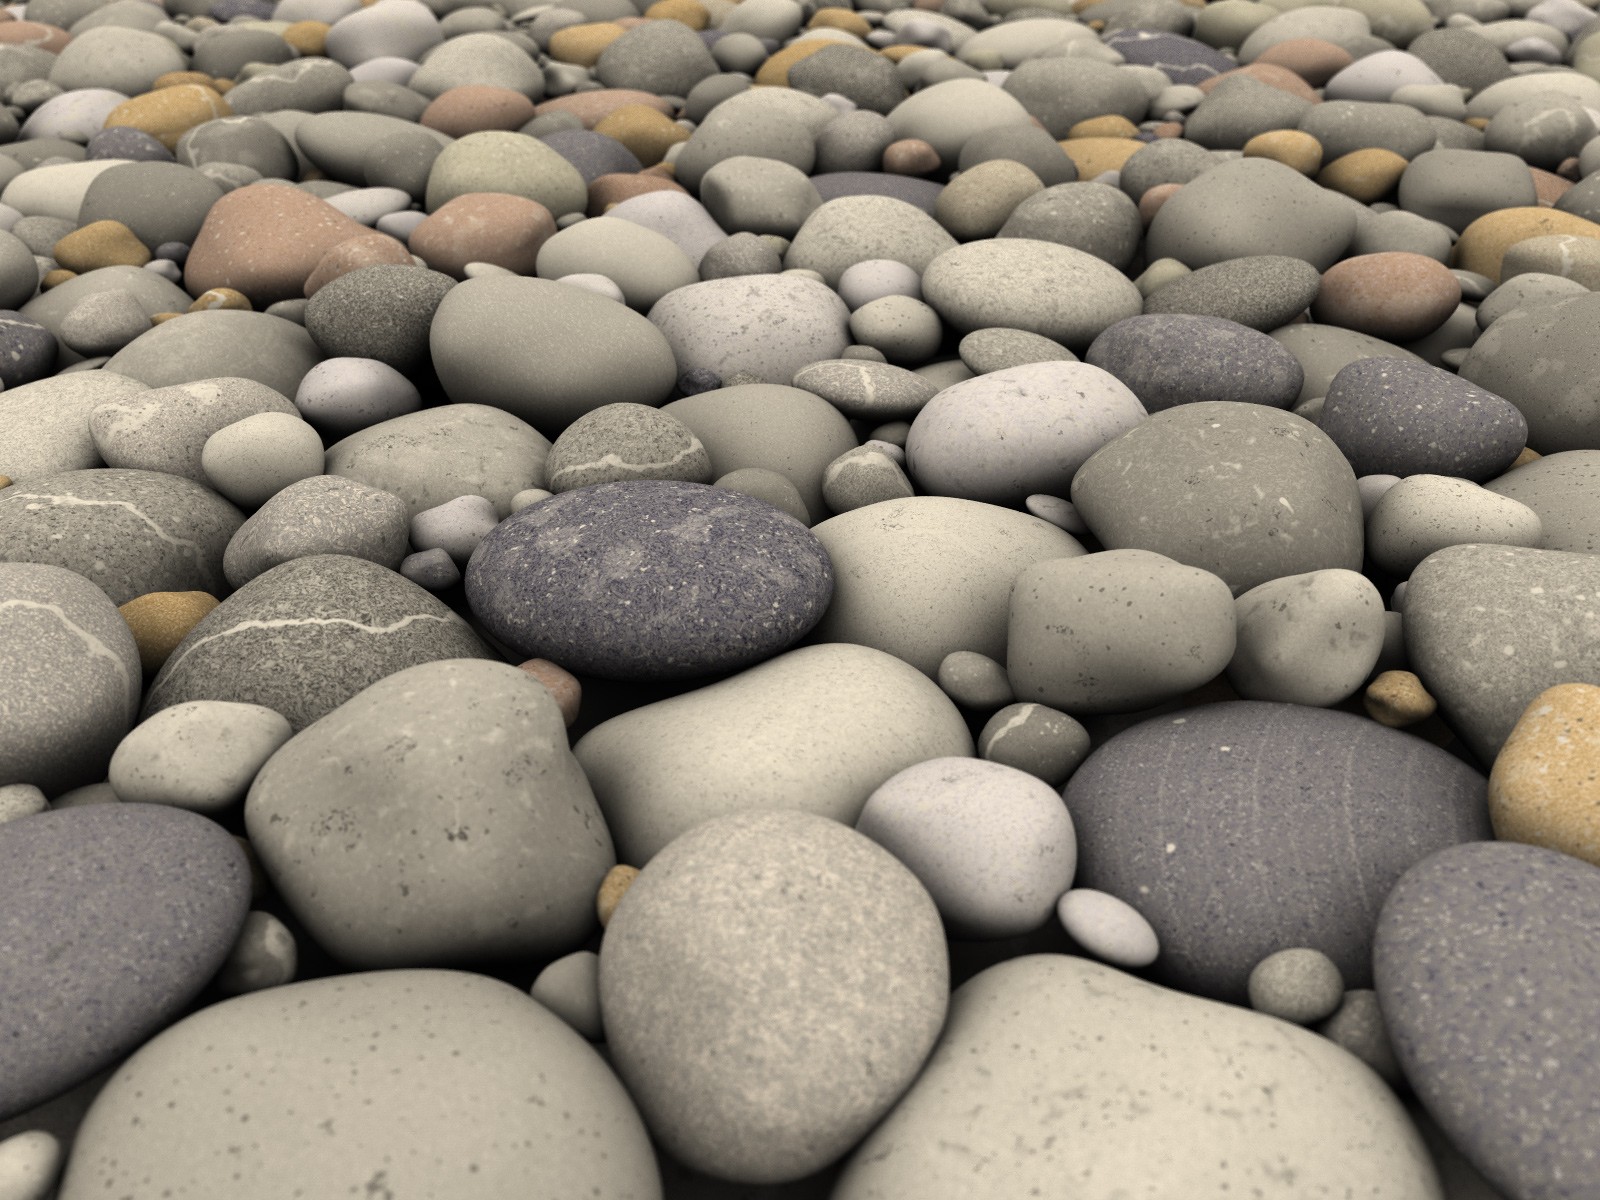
(1546, 365)
(144, 903)
(129, 532)
(619, 442)
(593, 154)
(740, 254)
(246, 141)
(385, 97)
(340, 143)
(656, 58)
(27, 349)
(826, 1000)
(669, 580)
(1261, 291)
(153, 292)
(1244, 491)
(1479, 946)
(309, 85)
(1455, 187)
(1345, 126)
(1181, 59)
(219, 342)
(1488, 628)
(1325, 350)
(321, 515)
(1462, 57)
(1061, 91)
(1165, 160)
(165, 429)
(1392, 416)
(1242, 828)
(1170, 359)
(1091, 217)
(1238, 109)
(867, 80)
(1561, 488)
(382, 312)
(306, 636)
(44, 426)
(73, 678)
(509, 868)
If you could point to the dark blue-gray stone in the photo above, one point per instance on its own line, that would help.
(304, 637)
(1393, 416)
(1487, 964)
(1242, 828)
(135, 145)
(27, 349)
(1167, 359)
(112, 918)
(593, 154)
(649, 580)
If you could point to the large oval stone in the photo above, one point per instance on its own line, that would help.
(654, 579)
(388, 1083)
(809, 958)
(1247, 827)
(113, 917)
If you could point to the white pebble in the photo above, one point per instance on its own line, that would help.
(20, 800)
(252, 460)
(1110, 929)
(369, 205)
(400, 224)
(264, 955)
(29, 1164)
(201, 755)
(876, 278)
(529, 496)
(600, 285)
(456, 526)
(344, 395)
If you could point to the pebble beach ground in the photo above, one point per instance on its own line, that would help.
(971, 599)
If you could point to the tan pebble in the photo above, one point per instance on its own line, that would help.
(1097, 155)
(595, 106)
(629, 22)
(1528, 455)
(614, 189)
(160, 620)
(264, 240)
(489, 227)
(1398, 699)
(162, 318)
(562, 685)
(617, 881)
(220, 297)
(1544, 788)
(50, 38)
(910, 156)
(168, 113)
(222, 86)
(364, 250)
(308, 38)
(928, 5)
(5, 481)
(181, 79)
(56, 278)
(976, 203)
(1364, 175)
(1113, 125)
(1154, 197)
(1313, 59)
(473, 108)
(1394, 295)
(1484, 243)
(1548, 187)
(840, 18)
(1291, 147)
(775, 71)
(687, 12)
(582, 45)
(1281, 78)
(647, 132)
(901, 50)
(662, 170)
(101, 244)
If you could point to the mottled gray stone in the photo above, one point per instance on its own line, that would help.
(165, 429)
(1165, 160)
(1561, 488)
(662, 60)
(746, 194)
(478, 59)
(321, 515)
(1091, 217)
(1260, 291)
(306, 636)
(669, 580)
(619, 442)
(825, 1001)
(867, 391)
(1456, 187)
(1061, 91)
(997, 348)
(1169, 359)
(1486, 962)
(1238, 109)
(219, 342)
(382, 312)
(1345, 126)
(1547, 365)
(767, 326)
(1020, 142)
(866, 79)
(1325, 350)
(200, 756)
(159, 201)
(44, 426)
(1462, 57)
(854, 229)
(1310, 639)
(144, 903)
(129, 532)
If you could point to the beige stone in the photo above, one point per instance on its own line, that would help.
(910, 156)
(1292, 147)
(1398, 699)
(1544, 788)
(1096, 155)
(1483, 243)
(1313, 59)
(612, 888)
(160, 620)
(582, 45)
(1365, 175)
(686, 12)
(648, 132)
(167, 113)
(1113, 125)
(101, 244)
(976, 203)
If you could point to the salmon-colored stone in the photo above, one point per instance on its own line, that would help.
(1097, 155)
(168, 113)
(647, 132)
(1544, 788)
(1484, 242)
(582, 45)
(562, 685)
(265, 240)
(1291, 147)
(1168, 129)
(1548, 187)
(1313, 59)
(474, 108)
(1270, 74)
(34, 33)
(1365, 175)
(1395, 295)
(910, 156)
(592, 107)
(371, 249)
(220, 297)
(160, 620)
(490, 227)
(1154, 197)
(614, 189)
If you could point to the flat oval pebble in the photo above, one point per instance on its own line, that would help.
(1262, 291)
(670, 580)
(200, 756)
(867, 391)
(1110, 929)
(1171, 359)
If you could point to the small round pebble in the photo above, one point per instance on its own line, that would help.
(1398, 699)
(264, 956)
(160, 620)
(433, 569)
(562, 685)
(456, 526)
(20, 800)
(873, 279)
(1110, 929)
(341, 395)
(253, 460)
(975, 680)
(1301, 985)
(1358, 1026)
(619, 442)
(29, 1165)
(904, 329)
(570, 988)
(612, 889)
(1060, 513)
(1043, 741)
(767, 485)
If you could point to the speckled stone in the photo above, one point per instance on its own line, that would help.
(1392, 416)
(867, 391)
(620, 442)
(1216, 485)
(1263, 291)
(1488, 628)
(824, 999)
(1543, 363)
(1181, 59)
(349, 827)
(144, 903)
(1486, 961)
(72, 678)
(165, 429)
(1035, 738)
(200, 756)
(325, 514)
(1541, 788)
(306, 636)
(669, 580)
(768, 326)
(1117, 1080)
(380, 312)
(996, 348)
(1243, 828)
(345, 1078)
(1425, 513)
(1307, 639)
(27, 349)
(220, 342)
(1561, 489)
(1171, 359)
(130, 532)
(44, 426)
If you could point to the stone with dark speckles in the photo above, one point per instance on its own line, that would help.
(1263, 291)
(1168, 359)
(27, 349)
(1181, 59)
(1242, 828)
(1487, 959)
(656, 579)
(1561, 488)
(112, 918)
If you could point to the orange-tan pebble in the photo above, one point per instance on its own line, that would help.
(1528, 455)
(168, 113)
(647, 132)
(901, 50)
(50, 38)
(1097, 155)
(614, 189)
(1154, 197)
(101, 244)
(474, 108)
(1398, 699)
(160, 620)
(840, 18)
(612, 888)
(220, 297)
(308, 38)
(1167, 129)
(1544, 788)
(775, 71)
(591, 107)
(1477, 122)
(1292, 147)
(56, 278)
(662, 170)
(5, 481)
(1281, 78)
(1484, 242)
(1113, 125)
(562, 685)
(582, 45)
(163, 317)
(1313, 59)
(181, 79)
(1394, 295)
(222, 86)
(489, 227)
(1364, 175)
(910, 156)
(686, 12)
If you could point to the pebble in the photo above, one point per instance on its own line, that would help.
(345, 395)
(619, 442)
(166, 429)
(570, 988)
(30, 1164)
(1168, 359)
(160, 620)
(974, 680)
(200, 756)
(1035, 738)
(456, 527)
(1395, 295)
(1425, 513)
(265, 956)
(1556, 486)
(1262, 291)
(252, 459)
(1539, 787)
(1299, 984)
(324, 514)
(1309, 639)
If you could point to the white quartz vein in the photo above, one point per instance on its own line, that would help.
(58, 501)
(96, 648)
